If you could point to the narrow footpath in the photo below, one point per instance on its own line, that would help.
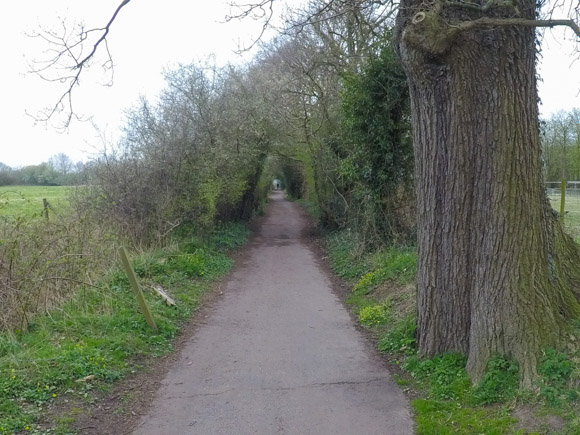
(278, 354)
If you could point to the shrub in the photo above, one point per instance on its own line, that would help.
(556, 369)
(375, 315)
(43, 262)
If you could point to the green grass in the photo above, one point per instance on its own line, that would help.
(449, 403)
(26, 201)
(396, 264)
(346, 258)
(435, 417)
(100, 333)
(572, 215)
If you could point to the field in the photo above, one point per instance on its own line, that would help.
(26, 201)
(572, 214)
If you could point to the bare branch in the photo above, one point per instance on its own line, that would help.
(106, 29)
(503, 22)
(68, 56)
(262, 10)
(249, 10)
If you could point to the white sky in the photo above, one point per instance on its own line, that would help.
(147, 37)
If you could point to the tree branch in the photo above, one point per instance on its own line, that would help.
(263, 10)
(106, 29)
(434, 34)
(503, 22)
(65, 52)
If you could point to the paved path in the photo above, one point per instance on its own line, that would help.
(279, 354)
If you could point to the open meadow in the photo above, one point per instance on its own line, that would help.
(572, 211)
(26, 201)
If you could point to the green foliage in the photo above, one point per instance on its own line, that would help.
(370, 270)
(292, 176)
(500, 382)
(39, 175)
(229, 236)
(375, 315)
(99, 334)
(192, 257)
(58, 171)
(445, 375)
(349, 260)
(174, 166)
(42, 262)
(450, 404)
(311, 208)
(374, 150)
(346, 258)
(200, 263)
(556, 369)
(401, 339)
(453, 406)
(561, 146)
(208, 193)
(190, 264)
(376, 111)
(396, 264)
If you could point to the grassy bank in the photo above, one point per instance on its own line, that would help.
(99, 336)
(445, 402)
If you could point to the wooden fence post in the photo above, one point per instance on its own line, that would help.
(562, 200)
(45, 207)
(136, 287)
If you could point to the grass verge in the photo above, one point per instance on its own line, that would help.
(311, 208)
(99, 335)
(444, 400)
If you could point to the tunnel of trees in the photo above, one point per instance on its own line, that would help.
(417, 125)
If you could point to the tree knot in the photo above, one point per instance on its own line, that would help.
(428, 32)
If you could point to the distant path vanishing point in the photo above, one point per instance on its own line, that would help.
(278, 354)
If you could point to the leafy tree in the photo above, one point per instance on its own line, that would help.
(195, 157)
(561, 146)
(39, 175)
(376, 149)
(8, 176)
(321, 43)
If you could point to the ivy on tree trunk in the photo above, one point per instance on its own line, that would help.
(496, 273)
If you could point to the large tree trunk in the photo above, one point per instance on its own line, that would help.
(492, 257)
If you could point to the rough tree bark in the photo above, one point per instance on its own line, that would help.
(496, 274)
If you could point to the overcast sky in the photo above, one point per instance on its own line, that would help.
(147, 37)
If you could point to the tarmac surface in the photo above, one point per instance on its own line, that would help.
(279, 354)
